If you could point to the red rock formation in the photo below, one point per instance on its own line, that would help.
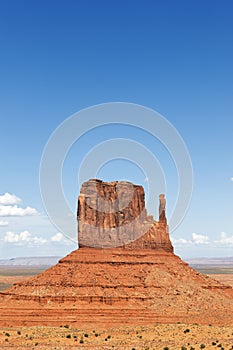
(142, 282)
(113, 214)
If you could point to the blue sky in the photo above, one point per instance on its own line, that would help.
(58, 57)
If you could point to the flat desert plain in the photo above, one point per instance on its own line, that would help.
(157, 337)
(223, 274)
(15, 274)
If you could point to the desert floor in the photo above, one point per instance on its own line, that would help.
(159, 337)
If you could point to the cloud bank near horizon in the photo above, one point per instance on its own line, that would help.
(201, 239)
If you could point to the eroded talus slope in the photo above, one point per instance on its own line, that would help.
(119, 285)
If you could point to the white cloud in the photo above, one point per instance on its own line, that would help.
(3, 223)
(14, 210)
(231, 179)
(200, 239)
(196, 239)
(9, 199)
(12, 237)
(23, 237)
(225, 239)
(180, 241)
(58, 237)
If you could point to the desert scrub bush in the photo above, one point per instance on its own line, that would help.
(81, 341)
(66, 326)
(187, 330)
(166, 348)
(7, 334)
(183, 348)
(202, 346)
(86, 335)
(19, 332)
(68, 336)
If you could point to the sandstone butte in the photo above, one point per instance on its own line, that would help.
(124, 272)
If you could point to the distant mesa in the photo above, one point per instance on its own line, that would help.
(113, 214)
(125, 272)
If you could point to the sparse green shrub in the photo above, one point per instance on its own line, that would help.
(109, 336)
(192, 348)
(19, 332)
(183, 348)
(68, 336)
(187, 330)
(7, 334)
(86, 335)
(166, 348)
(66, 326)
(202, 346)
(36, 343)
(213, 343)
(81, 341)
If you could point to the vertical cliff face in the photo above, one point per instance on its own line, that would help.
(113, 214)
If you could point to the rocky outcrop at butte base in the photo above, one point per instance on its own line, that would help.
(113, 214)
(140, 282)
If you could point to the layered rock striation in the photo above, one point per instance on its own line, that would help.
(113, 214)
(114, 287)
